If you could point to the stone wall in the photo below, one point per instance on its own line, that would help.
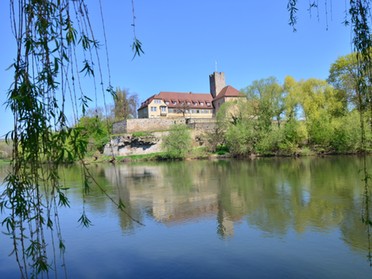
(126, 145)
(202, 124)
(160, 124)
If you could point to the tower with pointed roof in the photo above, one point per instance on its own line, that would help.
(216, 83)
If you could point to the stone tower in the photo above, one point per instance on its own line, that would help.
(217, 83)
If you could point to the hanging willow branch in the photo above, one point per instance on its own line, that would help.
(55, 48)
(358, 15)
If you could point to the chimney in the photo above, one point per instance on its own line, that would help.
(216, 83)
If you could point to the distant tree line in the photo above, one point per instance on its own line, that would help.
(297, 117)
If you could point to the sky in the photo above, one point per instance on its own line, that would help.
(187, 40)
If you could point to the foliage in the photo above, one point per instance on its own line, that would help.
(222, 149)
(178, 142)
(267, 95)
(346, 136)
(351, 75)
(126, 104)
(95, 131)
(310, 114)
(214, 139)
(242, 137)
(55, 49)
(270, 142)
(343, 75)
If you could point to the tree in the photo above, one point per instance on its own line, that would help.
(126, 104)
(268, 94)
(320, 105)
(292, 97)
(94, 130)
(178, 142)
(358, 15)
(344, 76)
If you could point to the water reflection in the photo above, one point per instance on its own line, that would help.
(277, 197)
(274, 195)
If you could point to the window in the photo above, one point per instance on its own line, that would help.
(163, 109)
(157, 101)
(153, 108)
(167, 103)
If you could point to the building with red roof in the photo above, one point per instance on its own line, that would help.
(190, 105)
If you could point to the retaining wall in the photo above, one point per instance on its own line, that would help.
(160, 124)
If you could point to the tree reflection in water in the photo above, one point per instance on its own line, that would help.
(366, 216)
(275, 196)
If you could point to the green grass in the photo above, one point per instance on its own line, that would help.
(141, 134)
(159, 156)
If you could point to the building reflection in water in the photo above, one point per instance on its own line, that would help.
(273, 195)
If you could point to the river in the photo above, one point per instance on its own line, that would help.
(262, 218)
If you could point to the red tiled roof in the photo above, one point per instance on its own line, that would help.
(229, 91)
(147, 102)
(177, 99)
(192, 100)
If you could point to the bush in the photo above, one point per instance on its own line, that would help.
(95, 131)
(222, 149)
(320, 131)
(270, 141)
(214, 139)
(346, 137)
(178, 142)
(5, 150)
(241, 139)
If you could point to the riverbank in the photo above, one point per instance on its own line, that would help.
(196, 153)
(201, 154)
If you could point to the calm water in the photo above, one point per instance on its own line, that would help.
(267, 218)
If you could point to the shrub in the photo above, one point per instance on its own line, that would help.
(214, 139)
(346, 137)
(95, 131)
(270, 141)
(241, 138)
(178, 142)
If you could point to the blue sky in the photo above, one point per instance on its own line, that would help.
(183, 40)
